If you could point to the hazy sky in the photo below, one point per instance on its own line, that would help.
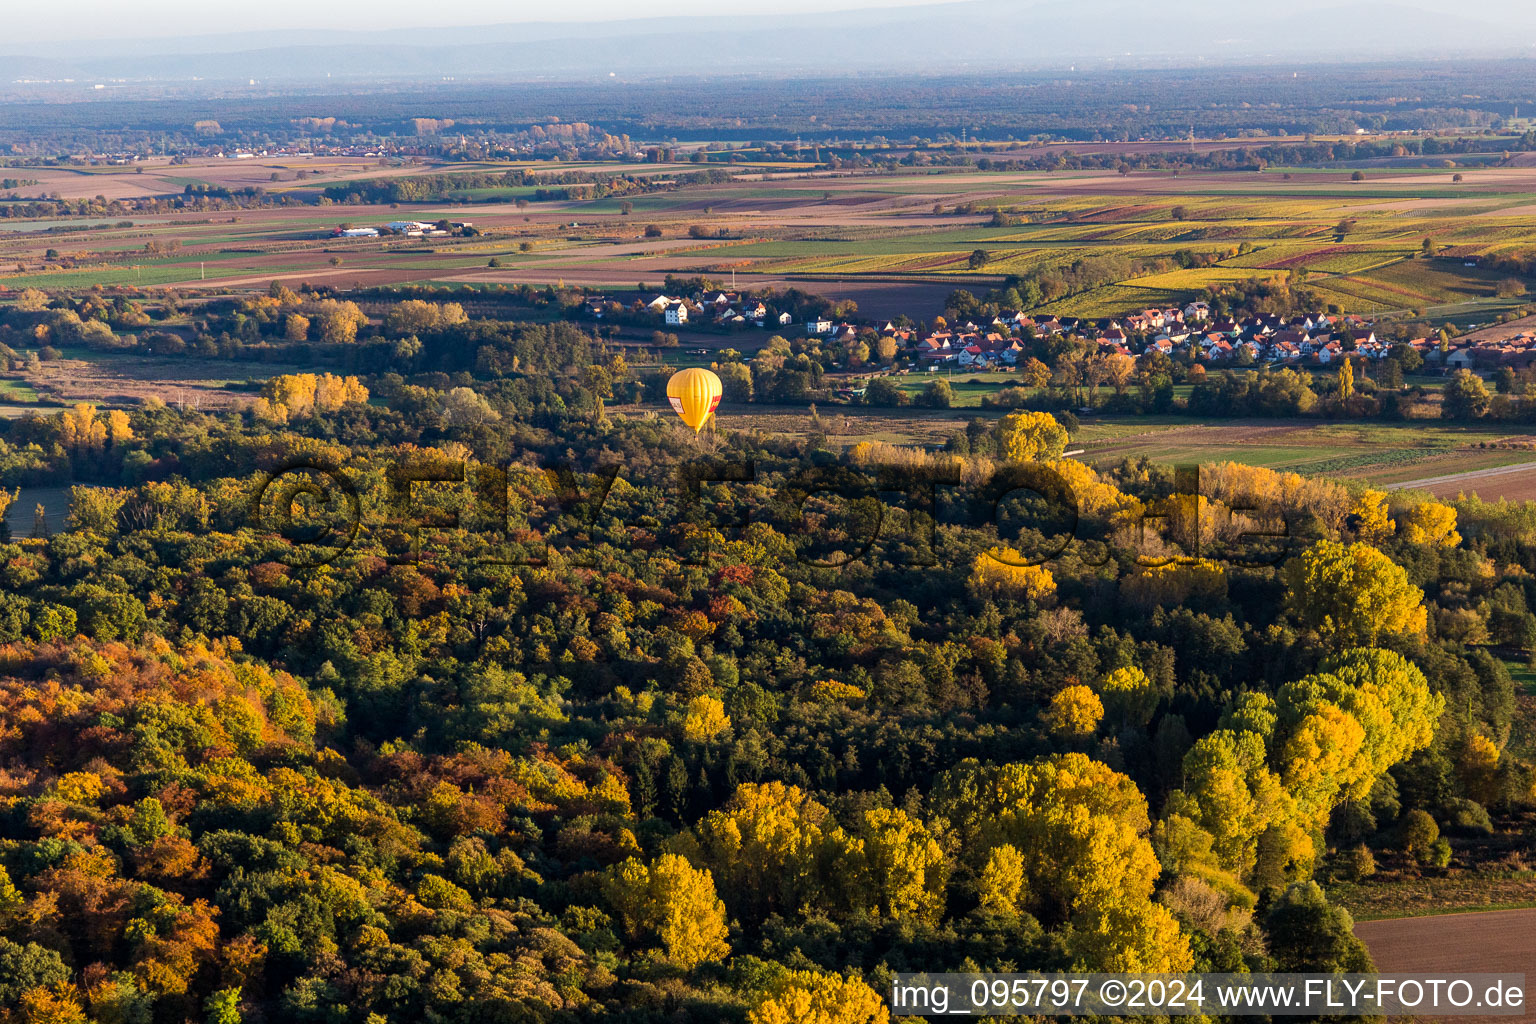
(95, 19)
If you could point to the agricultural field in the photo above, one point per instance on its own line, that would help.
(969, 388)
(1440, 459)
(1449, 940)
(1380, 455)
(1358, 244)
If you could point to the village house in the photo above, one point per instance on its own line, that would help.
(936, 348)
(1285, 352)
(1293, 338)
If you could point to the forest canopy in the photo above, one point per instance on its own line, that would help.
(490, 694)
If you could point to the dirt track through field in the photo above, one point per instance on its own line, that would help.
(1450, 482)
(1497, 942)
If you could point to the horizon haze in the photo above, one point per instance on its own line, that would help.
(958, 36)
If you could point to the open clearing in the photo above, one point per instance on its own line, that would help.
(129, 378)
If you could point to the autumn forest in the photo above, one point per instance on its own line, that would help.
(467, 685)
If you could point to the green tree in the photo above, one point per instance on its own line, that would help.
(1465, 396)
(1417, 835)
(938, 395)
(1305, 933)
(223, 1007)
(735, 381)
(24, 967)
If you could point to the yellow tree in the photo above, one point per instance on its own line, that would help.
(118, 427)
(1375, 524)
(1139, 937)
(50, 1004)
(291, 394)
(1000, 886)
(339, 321)
(1278, 768)
(674, 903)
(1321, 755)
(1095, 498)
(412, 316)
(906, 869)
(1390, 698)
(1230, 792)
(1432, 523)
(705, 719)
(1031, 437)
(765, 846)
(1081, 830)
(1075, 712)
(31, 300)
(333, 392)
(1035, 373)
(1003, 572)
(811, 997)
(1129, 694)
(80, 430)
(295, 327)
(1352, 594)
(1118, 370)
(1346, 381)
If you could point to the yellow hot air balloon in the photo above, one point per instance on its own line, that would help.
(694, 394)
